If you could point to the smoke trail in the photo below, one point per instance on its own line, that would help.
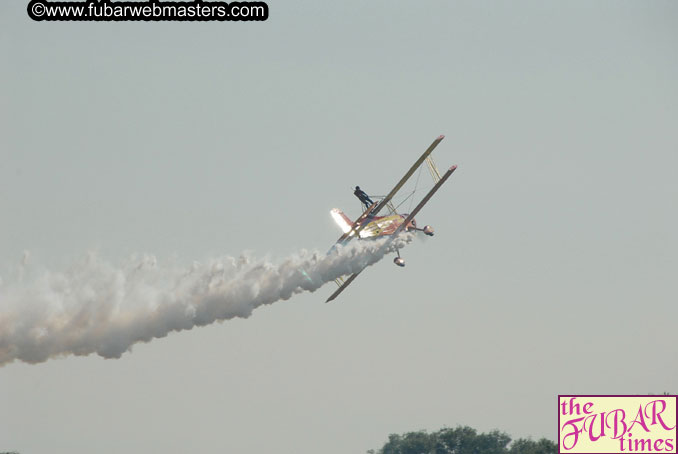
(98, 307)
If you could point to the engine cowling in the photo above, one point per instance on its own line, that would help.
(428, 230)
(399, 261)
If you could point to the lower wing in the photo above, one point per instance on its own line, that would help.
(346, 283)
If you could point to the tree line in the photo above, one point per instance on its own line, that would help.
(463, 440)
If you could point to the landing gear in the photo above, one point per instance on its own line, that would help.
(427, 230)
(399, 260)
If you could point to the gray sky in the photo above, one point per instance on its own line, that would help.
(552, 270)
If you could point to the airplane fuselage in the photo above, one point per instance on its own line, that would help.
(384, 225)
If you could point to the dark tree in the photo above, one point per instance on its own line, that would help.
(526, 446)
(463, 440)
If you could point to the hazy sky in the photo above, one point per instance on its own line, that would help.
(553, 268)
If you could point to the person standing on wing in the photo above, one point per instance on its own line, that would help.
(363, 197)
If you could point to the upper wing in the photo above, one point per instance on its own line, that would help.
(409, 173)
(416, 210)
(358, 225)
(343, 286)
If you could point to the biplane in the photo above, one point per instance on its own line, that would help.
(370, 225)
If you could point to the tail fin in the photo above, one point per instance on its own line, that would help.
(342, 220)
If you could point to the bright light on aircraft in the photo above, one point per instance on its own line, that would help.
(341, 222)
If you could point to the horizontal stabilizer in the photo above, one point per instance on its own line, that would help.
(342, 220)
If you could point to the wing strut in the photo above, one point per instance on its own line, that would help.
(409, 173)
(418, 208)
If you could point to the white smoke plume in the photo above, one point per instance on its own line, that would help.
(95, 307)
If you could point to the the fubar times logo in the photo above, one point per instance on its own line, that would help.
(617, 424)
